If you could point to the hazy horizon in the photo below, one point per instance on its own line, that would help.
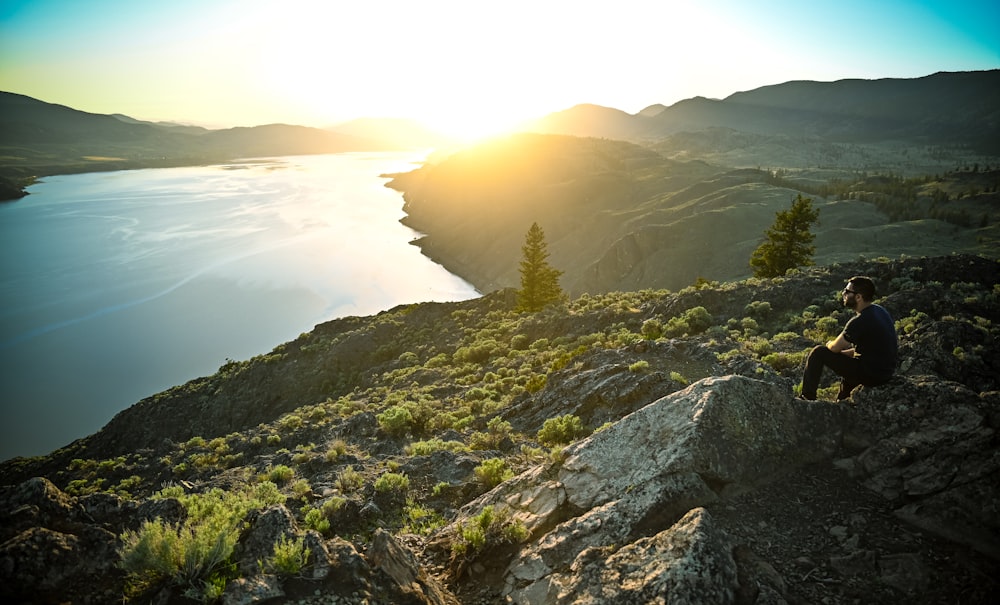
(461, 68)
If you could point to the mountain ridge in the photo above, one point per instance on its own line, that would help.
(876, 109)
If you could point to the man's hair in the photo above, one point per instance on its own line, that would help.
(864, 286)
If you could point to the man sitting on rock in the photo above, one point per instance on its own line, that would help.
(864, 353)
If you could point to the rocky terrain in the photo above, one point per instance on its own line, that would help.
(633, 447)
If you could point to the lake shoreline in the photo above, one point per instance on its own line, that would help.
(145, 271)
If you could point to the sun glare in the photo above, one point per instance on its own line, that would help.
(472, 125)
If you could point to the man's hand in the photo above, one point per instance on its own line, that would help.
(841, 345)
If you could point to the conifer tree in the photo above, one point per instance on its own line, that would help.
(788, 242)
(539, 281)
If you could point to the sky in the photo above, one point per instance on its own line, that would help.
(465, 67)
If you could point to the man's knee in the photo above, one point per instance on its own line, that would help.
(818, 350)
(818, 354)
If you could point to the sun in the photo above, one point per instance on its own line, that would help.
(472, 124)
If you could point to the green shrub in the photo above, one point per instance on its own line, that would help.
(784, 361)
(194, 442)
(280, 475)
(486, 530)
(194, 553)
(426, 448)
(493, 471)
(290, 557)
(421, 520)
(758, 346)
(678, 378)
(438, 361)
(640, 366)
(315, 519)
(337, 449)
(693, 321)
(397, 420)
(758, 308)
(651, 329)
(536, 383)
(392, 482)
(824, 329)
(349, 480)
(561, 430)
(519, 342)
(290, 422)
(749, 326)
(409, 358)
(497, 430)
(478, 354)
(301, 488)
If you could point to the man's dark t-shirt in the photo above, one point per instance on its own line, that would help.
(873, 334)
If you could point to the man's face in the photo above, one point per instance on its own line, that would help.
(849, 296)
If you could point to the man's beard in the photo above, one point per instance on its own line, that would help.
(851, 302)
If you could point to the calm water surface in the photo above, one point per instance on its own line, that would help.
(116, 286)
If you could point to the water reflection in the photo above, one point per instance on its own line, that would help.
(119, 285)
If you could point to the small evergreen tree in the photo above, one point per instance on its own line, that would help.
(539, 281)
(788, 242)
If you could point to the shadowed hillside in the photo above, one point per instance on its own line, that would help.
(619, 216)
(629, 447)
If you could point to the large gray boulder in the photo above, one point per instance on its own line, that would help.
(641, 476)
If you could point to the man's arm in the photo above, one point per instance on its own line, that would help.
(841, 345)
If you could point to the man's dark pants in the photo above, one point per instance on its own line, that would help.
(848, 368)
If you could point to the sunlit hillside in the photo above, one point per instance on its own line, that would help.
(621, 216)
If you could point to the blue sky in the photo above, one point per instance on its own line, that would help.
(467, 66)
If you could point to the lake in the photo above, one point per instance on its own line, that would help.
(116, 286)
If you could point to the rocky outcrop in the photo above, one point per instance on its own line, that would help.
(638, 477)
(52, 550)
(630, 501)
(931, 449)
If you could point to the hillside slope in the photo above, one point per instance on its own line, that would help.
(619, 216)
(690, 473)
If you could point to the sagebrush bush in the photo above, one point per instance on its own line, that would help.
(396, 420)
(488, 529)
(639, 366)
(425, 448)
(392, 482)
(652, 329)
(561, 430)
(349, 480)
(493, 471)
(194, 553)
(289, 558)
(280, 475)
(497, 430)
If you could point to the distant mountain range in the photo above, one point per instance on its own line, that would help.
(39, 138)
(943, 108)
